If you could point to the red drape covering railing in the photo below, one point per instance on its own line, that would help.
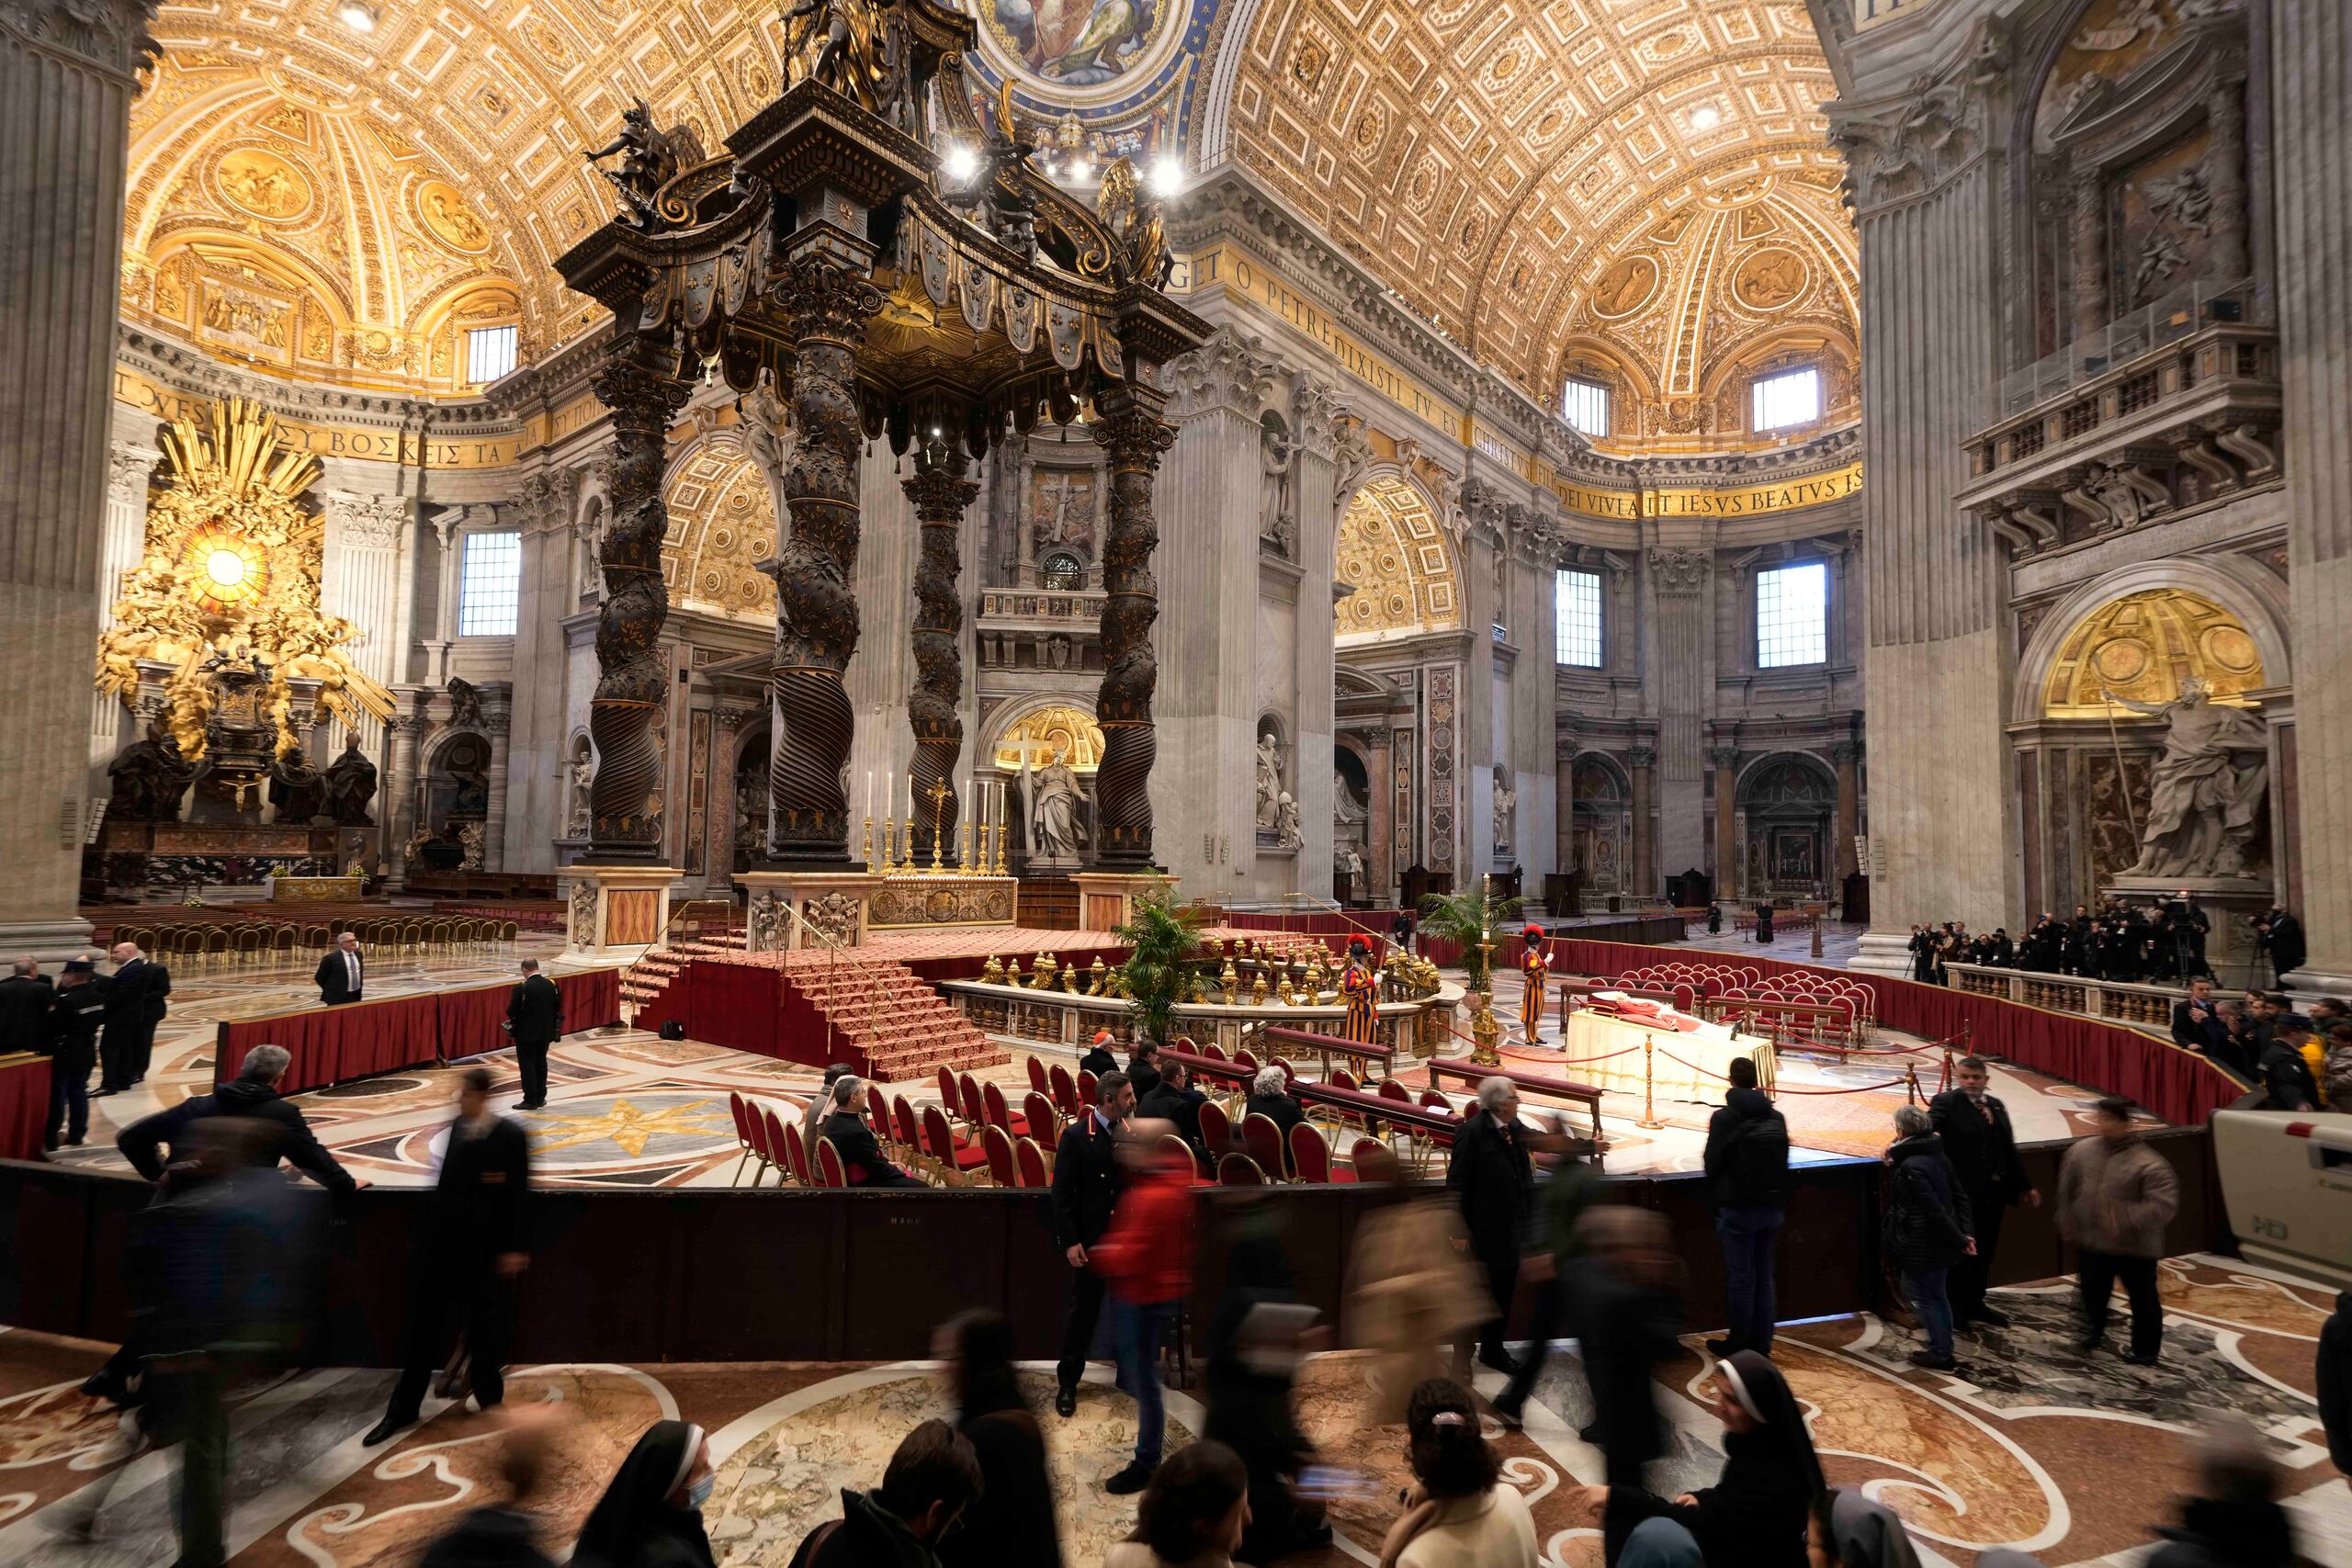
(2179, 1086)
(24, 1105)
(333, 1045)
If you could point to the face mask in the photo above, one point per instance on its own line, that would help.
(699, 1492)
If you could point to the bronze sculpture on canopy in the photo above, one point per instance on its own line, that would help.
(831, 250)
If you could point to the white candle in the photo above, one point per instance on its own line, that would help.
(971, 800)
(869, 794)
(889, 787)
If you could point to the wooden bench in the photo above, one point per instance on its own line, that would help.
(1327, 1046)
(1472, 1075)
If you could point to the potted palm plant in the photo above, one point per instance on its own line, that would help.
(1465, 918)
(1161, 939)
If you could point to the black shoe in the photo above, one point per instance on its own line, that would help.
(1993, 1315)
(97, 1385)
(1065, 1400)
(1934, 1362)
(1134, 1479)
(102, 1092)
(384, 1431)
(2137, 1359)
(2090, 1347)
(1589, 1434)
(1501, 1361)
(1722, 1348)
(1507, 1415)
(530, 1104)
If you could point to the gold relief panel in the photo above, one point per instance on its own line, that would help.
(1770, 279)
(1625, 285)
(256, 325)
(257, 181)
(445, 215)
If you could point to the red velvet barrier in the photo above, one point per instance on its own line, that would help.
(24, 1106)
(469, 1020)
(2179, 1085)
(333, 1045)
(735, 1005)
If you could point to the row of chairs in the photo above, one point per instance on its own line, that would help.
(202, 945)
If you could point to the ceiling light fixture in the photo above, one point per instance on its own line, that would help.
(356, 15)
(1167, 175)
(1706, 116)
(959, 164)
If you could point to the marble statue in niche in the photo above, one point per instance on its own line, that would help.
(1505, 811)
(2206, 787)
(1286, 828)
(580, 773)
(1270, 779)
(1056, 808)
(1276, 529)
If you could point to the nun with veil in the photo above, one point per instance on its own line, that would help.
(1756, 1513)
(651, 1517)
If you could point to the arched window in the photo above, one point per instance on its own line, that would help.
(1061, 570)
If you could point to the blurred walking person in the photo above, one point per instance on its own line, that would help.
(1493, 1178)
(1561, 1203)
(503, 1535)
(1086, 1189)
(1409, 1290)
(2116, 1195)
(1627, 1315)
(1012, 1518)
(1146, 1261)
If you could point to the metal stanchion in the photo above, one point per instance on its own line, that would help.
(1649, 1122)
(1911, 1095)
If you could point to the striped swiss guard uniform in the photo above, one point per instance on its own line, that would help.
(1536, 970)
(1359, 988)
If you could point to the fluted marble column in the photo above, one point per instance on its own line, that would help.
(396, 803)
(1643, 877)
(130, 470)
(1682, 659)
(360, 579)
(538, 801)
(1207, 695)
(1927, 190)
(1848, 756)
(1316, 411)
(496, 722)
(1726, 761)
(2311, 91)
(65, 88)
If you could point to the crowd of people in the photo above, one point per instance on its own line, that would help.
(2132, 943)
(2300, 1062)
(221, 1258)
(83, 1022)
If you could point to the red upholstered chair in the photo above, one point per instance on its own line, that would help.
(955, 1161)
(1391, 1089)
(1044, 1126)
(998, 1145)
(902, 1116)
(757, 1136)
(968, 1099)
(829, 1164)
(1261, 1140)
(1290, 1074)
(1245, 1058)
(1065, 1091)
(1029, 1164)
(1037, 1075)
(742, 1135)
(1311, 1156)
(1216, 1129)
(771, 1134)
(950, 1097)
(1086, 1092)
(877, 1116)
(792, 1160)
(1685, 999)
(1434, 1100)
(1214, 1051)
(1356, 1152)
(998, 1113)
(1239, 1170)
(1342, 1078)
(1170, 1144)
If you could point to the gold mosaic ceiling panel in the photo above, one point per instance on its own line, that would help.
(722, 525)
(1494, 160)
(310, 241)
(1390, 549)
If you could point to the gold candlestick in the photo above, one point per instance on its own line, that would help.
(964, 846)
(867, 857)
(1000, 849)
(940, 796)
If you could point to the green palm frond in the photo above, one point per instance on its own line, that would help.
(1463, 918)
(1161, 937)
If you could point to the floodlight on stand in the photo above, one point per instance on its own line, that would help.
(356, 15)
(1167, 175)
(959, 164)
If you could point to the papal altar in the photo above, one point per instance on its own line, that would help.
(1687, 1059)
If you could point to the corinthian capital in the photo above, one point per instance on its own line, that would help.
(1227, 371)
(369, 521)
(1909, 143)
(1679, 572)
(1317, 410)
(131, 470)
(110, 34)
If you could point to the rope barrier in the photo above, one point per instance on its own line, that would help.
(1777, 1089)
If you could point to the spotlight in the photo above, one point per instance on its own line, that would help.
(1079, 170)
(1706, 116)
(959, 164)
(1167, 175)
(359, 16)
(226, 568)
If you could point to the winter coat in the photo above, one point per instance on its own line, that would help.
(2116, 1198)
(1927, 1219)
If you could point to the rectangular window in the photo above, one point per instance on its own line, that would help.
(1787, 399)
(489, 354)
(1585, 405)
(1578, 633)
(490, 584)
(1792, 615)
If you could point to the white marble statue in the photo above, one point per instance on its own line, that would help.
(2206, 788)
(1270, 781)
(1274, 446)
(1286, 822)
(1506, 808)
(1055, 803)
(582, 771)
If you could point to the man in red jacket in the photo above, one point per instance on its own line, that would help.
(1145, 1258)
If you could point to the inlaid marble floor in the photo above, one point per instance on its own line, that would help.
(2032, 1445)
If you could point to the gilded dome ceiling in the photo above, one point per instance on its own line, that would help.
(722, 525)
(1538, 177)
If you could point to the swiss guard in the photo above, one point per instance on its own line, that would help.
(1359, 988)
(1535, 969)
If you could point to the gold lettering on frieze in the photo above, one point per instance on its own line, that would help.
(404, 448)
(1752, 500)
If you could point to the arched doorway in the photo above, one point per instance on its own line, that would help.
(1597, 826)
(1787, 812)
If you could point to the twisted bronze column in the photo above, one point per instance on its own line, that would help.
(644, 397)
(1131, 429)
(940, 494)
(816, 610)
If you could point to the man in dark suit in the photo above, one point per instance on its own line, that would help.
(535, 1017)
(1143, 1068)
(1493, 1178)
(1086, 1187)
(863, 1161)
(342, 973)
(1099, 1060)
(25, 997)
(2197, 1025)
(1177, 1102)
(1983, 1148)
(2283, 934)
(76, 1011)
(463, 1271)
(135, 1006)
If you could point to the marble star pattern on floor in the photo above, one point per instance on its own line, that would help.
(2030, 1445)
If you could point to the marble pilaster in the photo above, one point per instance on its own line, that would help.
(2312, 87)
(496, 722)
(396, 801)
(538, 804)
(1727, 763)
(130, 470)
(1682, 627)
(881, 670)
(1642, 876)
(66, 80)
(1316, 411)
(361, 578)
